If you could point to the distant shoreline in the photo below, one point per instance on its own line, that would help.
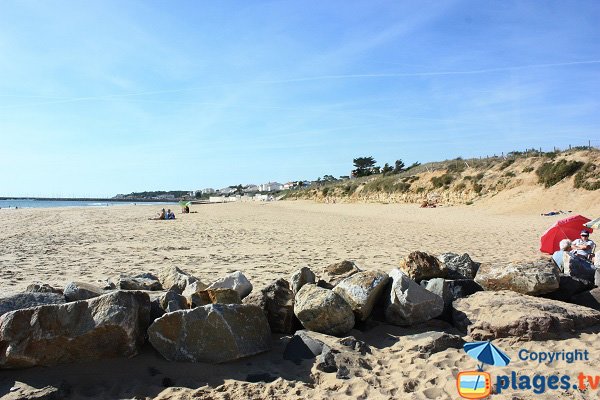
(142, 200)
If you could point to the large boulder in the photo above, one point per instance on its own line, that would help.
(27, 300)
(419, 265)
(334, 273)
(488, 315)
(532, 278)
(361, 291)
(145, 281)
(213, 333)
(75, 291)
(459, 266)
(323, 310)
(112, 325)
(300, 278)
(277, 302)
(590, 299)
(407, 303)
(174, 279)
(236, 281)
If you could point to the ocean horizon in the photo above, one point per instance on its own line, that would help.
(33, 203)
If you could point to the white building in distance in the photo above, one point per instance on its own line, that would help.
(270, 187)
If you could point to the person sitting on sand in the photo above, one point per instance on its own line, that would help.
(170, 214)
(557, 257)
(583, 246)
(161, 215)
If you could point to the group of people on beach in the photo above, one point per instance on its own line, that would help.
(164, 215)
(583, 261)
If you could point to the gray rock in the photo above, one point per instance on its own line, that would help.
(302, 347)
(145, 281)
(236, 281)
(336, 272)
(533, 278)
(488, 315)
(419, 265)
(323, 310)
(42, 288)
(441, 287)
(300, 278)
(355, 344)
(213, 333)
(174, 279)
(361, 291)
(343, 372)
(446, 257)
(27, 300)
(326, 361)
(459, 267)
(407, 303)
(75, 291)
(277, 302)
(112, 325)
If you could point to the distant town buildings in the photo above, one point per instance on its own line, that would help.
(262, 192)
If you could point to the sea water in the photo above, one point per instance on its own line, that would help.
(32, 203)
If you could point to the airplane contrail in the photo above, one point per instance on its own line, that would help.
(408, 74)
(60, 100)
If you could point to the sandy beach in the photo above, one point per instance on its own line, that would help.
(266, 241)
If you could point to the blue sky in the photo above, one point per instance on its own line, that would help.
(106, 97)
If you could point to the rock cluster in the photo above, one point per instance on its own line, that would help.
(186, 319)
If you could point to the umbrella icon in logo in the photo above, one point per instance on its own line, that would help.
(486, 353)
(477, 384)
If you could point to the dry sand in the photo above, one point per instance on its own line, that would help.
(267, 241)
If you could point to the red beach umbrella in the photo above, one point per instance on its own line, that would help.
(568, 228)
